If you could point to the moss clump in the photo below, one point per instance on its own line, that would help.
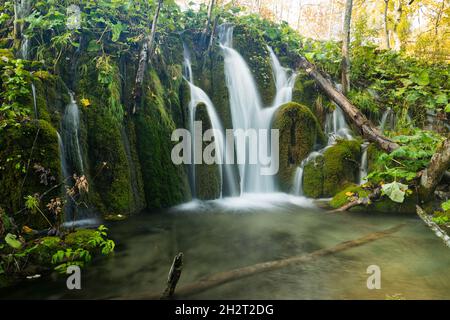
(18, 177)
(343, 197)
(299, 131)
(305, 91)
(313, 178)
(165, 184)
(340, 166)
(252, 46)
(80, 238)
(207, 176)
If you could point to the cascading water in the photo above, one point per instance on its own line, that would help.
(22, 10)
(298, 179)
(199, 96)
(247, 111)
(72, 160)
(388, 120)
(33, 92)
(363, 171)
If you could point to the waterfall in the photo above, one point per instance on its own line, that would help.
(22, 10)
(363, 171)
(70, 136)
(199, 96)
(388, 120)
(247, 111)
(72, 162)
(24, 50)
(33, 92)
(298, 179)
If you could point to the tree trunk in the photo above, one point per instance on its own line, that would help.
(345, 48)
(433, 226)
(398, 19)
(386, 30)
(236, 274)
(376, 194)
(174, 276)
(431, 176)
(365, 127)
(145, 57)
(208, 21)
(151, 44)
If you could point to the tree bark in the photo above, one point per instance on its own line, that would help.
(431, 176)
(398, 18)
(174, 276)
(208, 21)
(366, 128)
(386, 31)
(433, 226)
(376, 194)
(145, 57)
(346, 47)
(236, 274)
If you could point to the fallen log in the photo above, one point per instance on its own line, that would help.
(220, 278)
(433, 226)
(366, 128)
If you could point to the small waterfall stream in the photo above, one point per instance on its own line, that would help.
(363, 171)
(33, 92)
(199, 96)
(247, 111)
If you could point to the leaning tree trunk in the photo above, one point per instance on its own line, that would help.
(366, 128)
(437, 168)
(345, 47)
(144, 57)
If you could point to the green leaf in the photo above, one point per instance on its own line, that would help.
(446, 205)
(447, 108)
(93, 46)
(422, 79)
(11, 240)
(441, 99)
(395, 191)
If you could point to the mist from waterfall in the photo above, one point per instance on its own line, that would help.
(198, 96)
(247, 110)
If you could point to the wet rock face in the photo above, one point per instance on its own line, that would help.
(299, 130)
(333, 171)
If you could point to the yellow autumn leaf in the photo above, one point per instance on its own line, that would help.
(85, 102)
(27, 229)
(349, 194)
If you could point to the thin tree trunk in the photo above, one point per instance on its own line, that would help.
(145, 57)
(236, 274)
(398, 18)
(433, 226)
(365, 127)
(386, 30)
(346, 47)
(376, 194)
(432, 175)
(151, 44)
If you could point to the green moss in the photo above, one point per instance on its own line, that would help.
(253, 48)
(80, 238)
(299, 130)
(16, 152)
(386, 205)
(342, 198)
(340, 166)
(313, 178)
(305, 91)
(207, 176)
(164, 183)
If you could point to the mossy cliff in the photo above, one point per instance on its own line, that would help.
(299, 131)
(334, 170)
(22, 150)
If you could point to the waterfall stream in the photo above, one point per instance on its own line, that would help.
(247, 111)
(33, 92)
(199, 96)
(363, 171)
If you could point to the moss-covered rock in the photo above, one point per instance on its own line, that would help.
(346, 195)
(165, 184)
(208, 182)
(340, 166)
(299, 131)
(253, 48)
(313, 178)
(22, 148)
